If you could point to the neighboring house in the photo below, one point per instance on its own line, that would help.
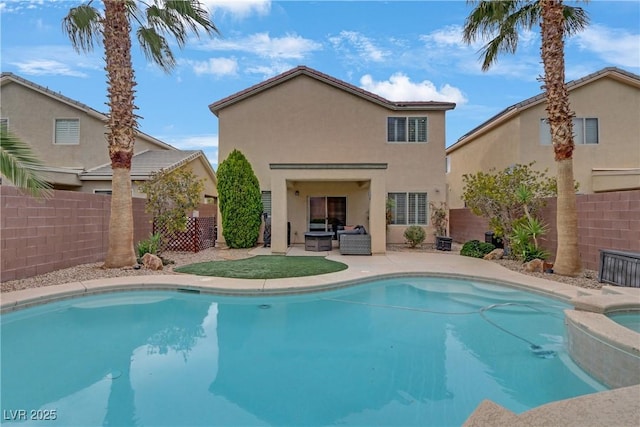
(606, 134)
(326, 152)
(145, 163)
(69, 138)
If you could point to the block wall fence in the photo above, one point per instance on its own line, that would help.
(605, 221)
(38, 236)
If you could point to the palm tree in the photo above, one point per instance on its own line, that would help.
(502, 20)
(20, 166)
(85, 24)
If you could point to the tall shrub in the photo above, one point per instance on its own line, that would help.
(171, 195)
(497, 195)
(240, 201)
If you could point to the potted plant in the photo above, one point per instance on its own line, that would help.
(440, 221)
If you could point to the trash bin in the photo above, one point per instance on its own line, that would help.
(489, 237)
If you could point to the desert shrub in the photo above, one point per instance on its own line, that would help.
(171, 195)
(524, 240)
(414, 235)
(240, 201)
(502, 197)
(476, 249)
(151, 245)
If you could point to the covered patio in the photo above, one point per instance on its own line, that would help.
(323, 196)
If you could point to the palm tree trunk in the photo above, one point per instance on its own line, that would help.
(567, 261)
(121, 135)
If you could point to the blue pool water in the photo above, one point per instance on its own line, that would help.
(629, 320)
(407, 351)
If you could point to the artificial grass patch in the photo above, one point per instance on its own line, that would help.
(265, 267)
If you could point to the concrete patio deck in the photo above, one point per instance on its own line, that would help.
(618, 407)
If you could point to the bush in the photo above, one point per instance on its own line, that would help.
(150, 245)
(414, 235)
(524, 241)
(240, 201)
(476, 249)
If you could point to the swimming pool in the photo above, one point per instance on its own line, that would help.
(404, 351)
(629, 320)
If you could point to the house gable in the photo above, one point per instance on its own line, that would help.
(610, 98)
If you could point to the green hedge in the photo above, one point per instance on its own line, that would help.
(476, 249)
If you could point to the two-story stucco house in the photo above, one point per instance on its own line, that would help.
(326, 152)
(69, 138)
(606, 135)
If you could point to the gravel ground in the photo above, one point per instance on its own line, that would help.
(588, 278)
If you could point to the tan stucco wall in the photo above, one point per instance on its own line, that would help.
(306, 121)
(494, 149)
(613, 103)
(32, 117)
(210, 184)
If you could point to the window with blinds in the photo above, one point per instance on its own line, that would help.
(585, 131)
(409, 208)
(406, 129)
(67, 131)
(266, 202)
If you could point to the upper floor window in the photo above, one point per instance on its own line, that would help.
(409, 208)
(67, 131)
(406, 129)
(585, 131)
(447, 164)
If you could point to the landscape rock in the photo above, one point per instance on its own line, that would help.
(534, 266)
(495, 254)
(151, 262)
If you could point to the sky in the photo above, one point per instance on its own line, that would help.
(400, 50)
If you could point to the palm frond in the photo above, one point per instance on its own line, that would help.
(83, 24)
(177, 18)
(501, 22)
(155, 48)
(19, 165)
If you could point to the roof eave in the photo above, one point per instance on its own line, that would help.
(347, 87)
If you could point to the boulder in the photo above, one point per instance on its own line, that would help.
(151, 262)
(495, 254)
(534, 266)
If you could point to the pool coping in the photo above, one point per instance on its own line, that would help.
(401, 264)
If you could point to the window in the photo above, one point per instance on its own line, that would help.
(585, 131)
(266, 202)
(447, 164)
(409, 208)
(406, 129)
(105, 192)
(67, 131)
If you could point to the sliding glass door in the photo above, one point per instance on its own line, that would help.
(326, 213)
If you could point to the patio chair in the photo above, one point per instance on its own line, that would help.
(355, 243)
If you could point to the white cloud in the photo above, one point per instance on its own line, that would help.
(446, 37)
(46, 67)
(239, 8)
(290, 46)
(51, 60)
(615, 46)
(270, 70)
(215, 66)
(364, 46)
(399, 87)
